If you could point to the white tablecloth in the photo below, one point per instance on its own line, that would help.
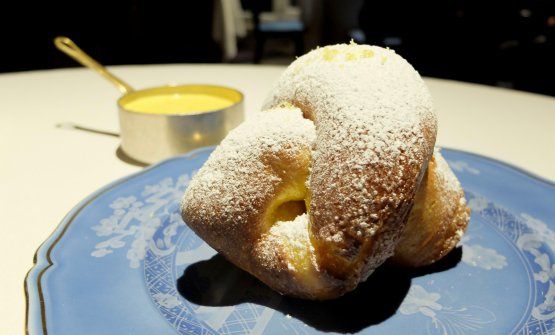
(46, 170)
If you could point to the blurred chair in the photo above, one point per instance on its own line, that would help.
(276, 19)
(228, 25)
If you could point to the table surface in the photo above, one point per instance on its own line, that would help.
(47, 169)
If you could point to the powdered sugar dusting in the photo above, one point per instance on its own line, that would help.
(293, 237)
(368, 132)
(375, 130)
(247, 154)
(444, 172)
(295, 231)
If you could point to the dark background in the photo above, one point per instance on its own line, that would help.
(504, 43)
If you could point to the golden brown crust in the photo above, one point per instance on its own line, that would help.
(438, 219)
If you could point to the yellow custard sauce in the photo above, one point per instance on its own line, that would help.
(178, 103)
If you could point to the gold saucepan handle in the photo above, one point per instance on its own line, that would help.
(67, 46)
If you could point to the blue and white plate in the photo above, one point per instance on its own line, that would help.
(123, 262)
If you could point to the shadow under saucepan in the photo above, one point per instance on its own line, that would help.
(121, 155)
(217, 282)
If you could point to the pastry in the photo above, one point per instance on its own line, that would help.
(314, 193)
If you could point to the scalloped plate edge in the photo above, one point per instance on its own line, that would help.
(34, 297)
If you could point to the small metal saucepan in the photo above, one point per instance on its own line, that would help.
(150, 137)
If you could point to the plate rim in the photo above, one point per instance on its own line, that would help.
(43, 262)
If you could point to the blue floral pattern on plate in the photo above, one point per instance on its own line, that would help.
(123, 261)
